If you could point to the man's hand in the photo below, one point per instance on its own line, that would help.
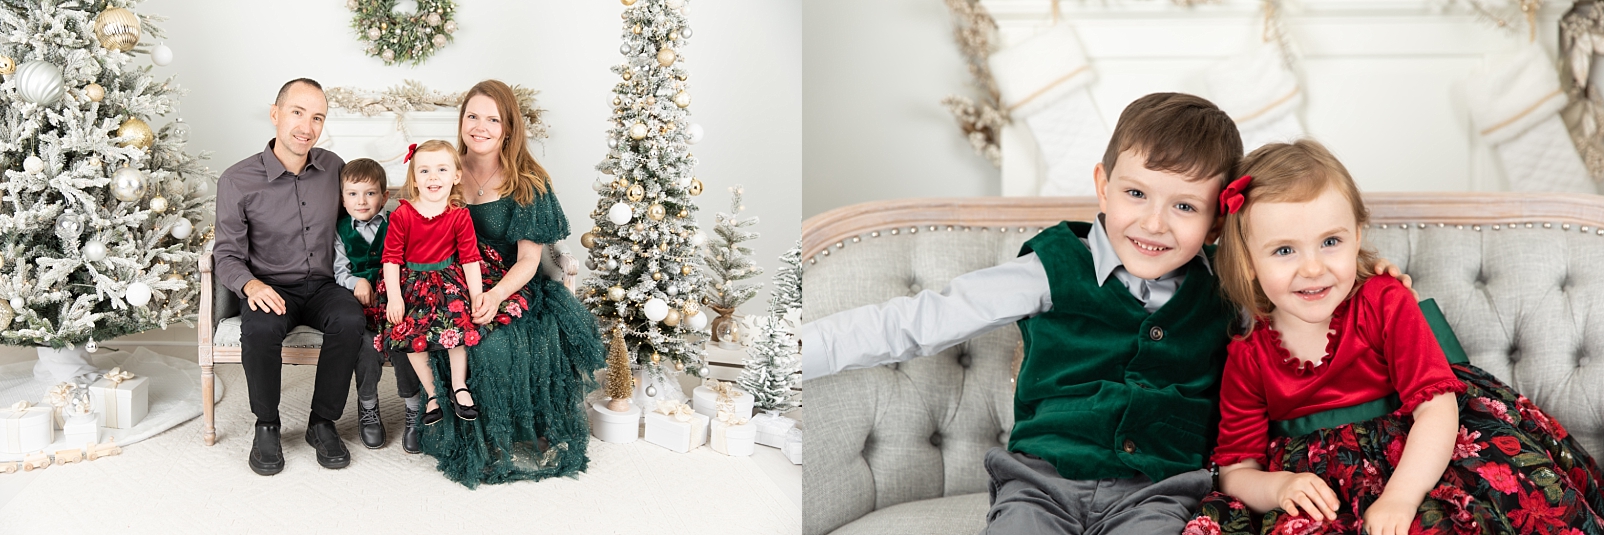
(364, 292)
(394, 311)
(1389, 516)
(262, 297)
(1384, 267)
(1307, 492)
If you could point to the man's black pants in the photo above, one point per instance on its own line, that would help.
(318, 303)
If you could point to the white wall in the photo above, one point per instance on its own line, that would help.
(746, 78)
(876, 73)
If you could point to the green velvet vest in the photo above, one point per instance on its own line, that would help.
(365, 257)
(1107, 390)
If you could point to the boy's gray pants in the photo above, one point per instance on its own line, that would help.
(370, 366)
(1028, 496)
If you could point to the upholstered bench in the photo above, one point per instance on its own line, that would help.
(218, 326)
(899, 448)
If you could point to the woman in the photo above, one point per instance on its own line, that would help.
(530, 376)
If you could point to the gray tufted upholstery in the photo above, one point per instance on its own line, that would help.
(899, 449)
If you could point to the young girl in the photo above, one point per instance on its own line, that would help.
(432, 274)
(1339, 411)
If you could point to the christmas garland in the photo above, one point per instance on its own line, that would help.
(403, 37)
(411, 95)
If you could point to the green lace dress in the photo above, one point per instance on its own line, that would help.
(530, 376)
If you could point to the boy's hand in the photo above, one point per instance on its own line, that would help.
(1383, 266)
(1389, 516)
(394, 310)
(364, 292)
(1311, 494)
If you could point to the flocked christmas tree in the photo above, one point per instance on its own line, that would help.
(775, 358)
(643, 247)
(728, 261)
(98, 223)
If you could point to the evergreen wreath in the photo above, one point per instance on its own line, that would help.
(403, 37)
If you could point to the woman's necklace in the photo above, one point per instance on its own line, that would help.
(481, 183)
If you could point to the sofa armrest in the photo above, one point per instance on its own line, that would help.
(557, 264)
(224, 304)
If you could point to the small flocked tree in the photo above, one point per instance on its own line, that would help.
(98, 225)
(644, 280)
(775, 357)
(728, 259)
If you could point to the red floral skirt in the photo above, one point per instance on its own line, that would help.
(439, 312)
(1514, 470)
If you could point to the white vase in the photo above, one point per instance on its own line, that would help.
(62, 365)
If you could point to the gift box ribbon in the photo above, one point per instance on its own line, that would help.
(677, 410)
(18, 410)
(117, 376)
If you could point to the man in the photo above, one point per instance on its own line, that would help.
(276, 216)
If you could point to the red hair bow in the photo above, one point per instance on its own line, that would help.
(1232, 198)
(410, 150)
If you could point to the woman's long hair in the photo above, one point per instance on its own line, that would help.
(525, 177)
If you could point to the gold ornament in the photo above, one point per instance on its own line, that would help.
(690, 306)
(682, 99)
(618, 101)
(636, 30)
(665, 56)
(656, 358)
(94, 92)
(636, 193)
(588, 240)
(7, 65)
(628, 75)
(117, 29)
(683, 213)
(674, 35)
(638, 131)
(679, 366)
(616, 293)
(158, 204)
(634, 247)
(696, 186)
(138, 132)
(629, 2)
(657, 275)
(672, 319)
(682, 76)
(640, 227)
(656, 212)
(651, 101)
(685, 270)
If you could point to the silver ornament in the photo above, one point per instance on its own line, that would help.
(128, 184)
(702, 371)
(91, 346)
(94, 251)
(651, 391)
(625, 49)
(685, 32)
(68, 225)
(590, 264)
(40, 82)
(612, 264)
(612, 143)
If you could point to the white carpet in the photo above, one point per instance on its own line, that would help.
(172, 483)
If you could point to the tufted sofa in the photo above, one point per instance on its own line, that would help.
(899, 448)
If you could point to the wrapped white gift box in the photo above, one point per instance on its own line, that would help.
(120, 399)
(614, 426)
(676, 427)
(793, 446)
(81, 430)
(733, 440)
(25, 429)
(771, 429)
(706, 401)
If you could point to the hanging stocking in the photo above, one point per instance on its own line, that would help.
(1258, 91)
(1515, 107)
(1043, 81)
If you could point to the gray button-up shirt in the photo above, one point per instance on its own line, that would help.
(275, 226)
(972, 304)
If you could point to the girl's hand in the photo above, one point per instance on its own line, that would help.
(1311, 494)
(485, 306)
(393, 311)
(1389, 516)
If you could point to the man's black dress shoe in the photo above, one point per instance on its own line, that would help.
(371, 428)
(409, 436)
(331, 452)
(267, 454)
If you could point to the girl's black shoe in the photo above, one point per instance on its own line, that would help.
(465, 412)
(433, 415)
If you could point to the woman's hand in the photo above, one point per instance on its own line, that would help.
(394, 311)
(486, 305)
(1389, 515)
(1307, 492)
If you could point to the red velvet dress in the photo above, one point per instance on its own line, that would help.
(431, 252)
(1513, 469)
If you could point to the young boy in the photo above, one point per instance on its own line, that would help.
(358, 245)
(1124, 331)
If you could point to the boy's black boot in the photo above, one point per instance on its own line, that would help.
(371, 426)
(409, 436)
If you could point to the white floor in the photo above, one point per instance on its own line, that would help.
(172, 483)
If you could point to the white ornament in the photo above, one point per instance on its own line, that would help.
(94, 251)
(656, 309)
(182, 228)
(698, 239)
(137, 294)
(40, 82)
(33, 165)
(373, 33)
(620, 214)
(18, 304)
(697, 321)
(599, 186)
(128, 184)
(439, 40)
(676, 4)
(638, 131)
(161, 55)
(351, 5)
(693, 133)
